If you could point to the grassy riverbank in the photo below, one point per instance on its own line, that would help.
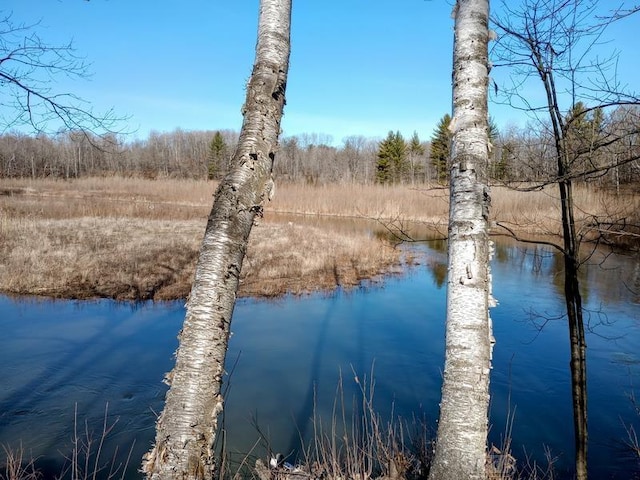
(134, 239)
(129, 238)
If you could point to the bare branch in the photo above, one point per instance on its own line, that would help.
(29, 69)
(511, 233)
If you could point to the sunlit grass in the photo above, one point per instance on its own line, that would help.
(138, 239)
(132, 238)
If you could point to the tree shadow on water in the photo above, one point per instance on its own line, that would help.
(303, 416)
(73, 366)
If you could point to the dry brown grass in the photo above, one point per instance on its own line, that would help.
(120, 238)
(131, 238)
(162, 199)
(529, 212)
(87, 257)
(281, 254)
(538, 212)
(369, 201)
(535, 212)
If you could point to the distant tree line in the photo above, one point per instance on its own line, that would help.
(517, 154)
(184, 154)
(603, 147)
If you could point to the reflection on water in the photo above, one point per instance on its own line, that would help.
(287, 356)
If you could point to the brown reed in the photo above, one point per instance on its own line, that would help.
(133, 238)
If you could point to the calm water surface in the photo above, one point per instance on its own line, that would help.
(288, 354)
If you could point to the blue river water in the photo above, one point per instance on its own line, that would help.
(63, 364)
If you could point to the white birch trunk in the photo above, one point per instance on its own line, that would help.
(187, 427)
(461, 448)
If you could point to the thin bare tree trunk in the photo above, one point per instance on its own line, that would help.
(462, 430)
(187, 427)
(573, 301)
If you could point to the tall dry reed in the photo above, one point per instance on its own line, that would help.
(138, 239)
(135, 238)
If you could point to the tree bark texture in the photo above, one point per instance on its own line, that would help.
(461, 448)
(187, 427)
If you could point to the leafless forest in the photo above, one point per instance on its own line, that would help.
(518, 155)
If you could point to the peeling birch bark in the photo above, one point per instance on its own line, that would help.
(186, 429)
(462, 429)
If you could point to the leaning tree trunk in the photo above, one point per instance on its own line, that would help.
(461, 441)
(187, 427)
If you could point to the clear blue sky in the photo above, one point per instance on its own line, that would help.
(358, 67)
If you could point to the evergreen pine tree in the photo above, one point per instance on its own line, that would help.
(497, 164)
(217, 152)
(392, 159)
(416, 150)
(584, 130)
(415, 147)
(494, 133)
(440, 148)
(583, 127)
(501, 161)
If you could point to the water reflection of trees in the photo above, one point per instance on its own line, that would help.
(615, 276)
(612, 278)
(438, 271)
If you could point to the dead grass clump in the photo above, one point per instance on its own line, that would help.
(134, 239)
(599, 214)
(526, 212)
(284, 257)
(357, 443)
(98, 257)
(137, 259)
(617, 221)
(196, 192)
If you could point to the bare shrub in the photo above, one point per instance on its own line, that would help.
(17, 467)
(85, 462)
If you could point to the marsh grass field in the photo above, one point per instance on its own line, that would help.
(136, 239)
